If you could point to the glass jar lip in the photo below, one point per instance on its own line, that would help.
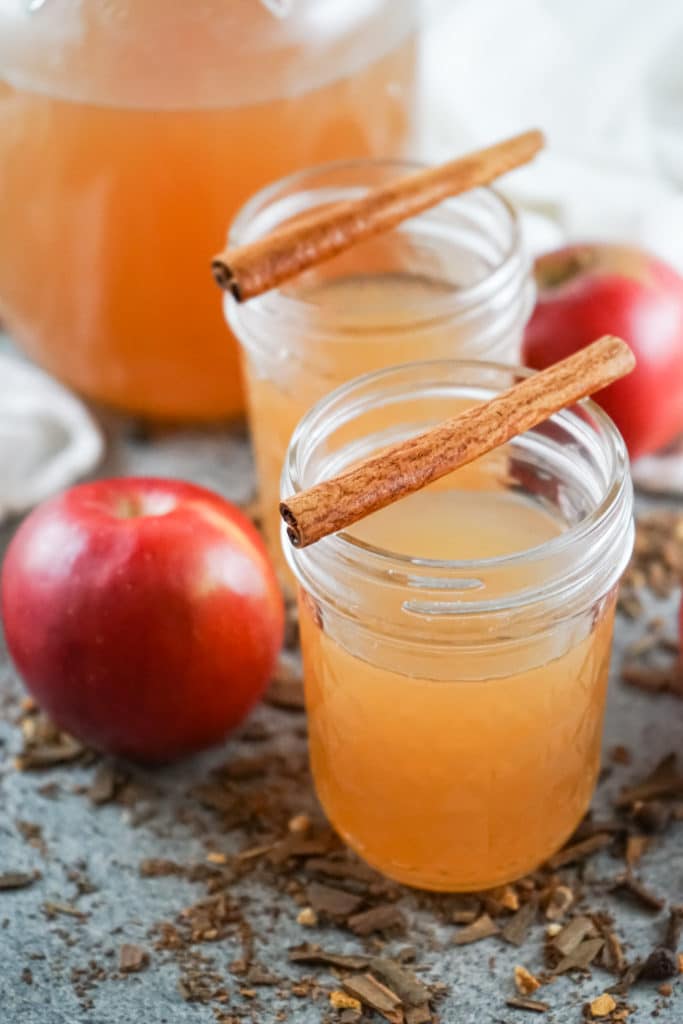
(355, 550)
(463, 299)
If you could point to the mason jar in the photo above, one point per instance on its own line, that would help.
(130, 133)
(456, 644)
(454, 281)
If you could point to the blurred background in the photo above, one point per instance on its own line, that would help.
(604, 80)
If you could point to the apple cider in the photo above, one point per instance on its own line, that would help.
(129, 135)
(456, 644)
(453, 281)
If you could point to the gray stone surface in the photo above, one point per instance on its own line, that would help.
(107, 843)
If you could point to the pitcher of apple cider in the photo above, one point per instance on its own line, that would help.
(128, 133)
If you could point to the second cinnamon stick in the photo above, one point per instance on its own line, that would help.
(410, 465)
(258, 266)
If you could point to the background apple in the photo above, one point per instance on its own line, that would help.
(588, 290)
(143, 615)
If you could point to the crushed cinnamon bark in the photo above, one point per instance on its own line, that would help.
(523, 1003)
(581, 957)
(466, 909)
(52, 908)
(573, 934)
(132, 958)
(674, 927)
(46, 746)
(373, 994)
(517, 928)
(412, 992)
(155, 867)
(636, 846)
(654, 678)
(106, 782)
(480, 929)
(335, 903)
(579, 851)
(386, 917)
(628, 885)
(612, 956)
(315, 956)
(652, 816)
(344, 868)
(559, 904)
(657, 561)
(664, 782)
(418, 1015)
(260, 977)
(11, 880)
(628, 978)
(32, 833)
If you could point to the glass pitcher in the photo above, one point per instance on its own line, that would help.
(129, 135)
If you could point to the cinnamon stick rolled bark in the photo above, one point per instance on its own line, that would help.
(258, 266)
(406, 467)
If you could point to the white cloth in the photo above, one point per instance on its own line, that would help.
(603, 80)
(47, 437)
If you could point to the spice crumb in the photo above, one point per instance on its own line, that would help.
(620, 754)
(307, 917)
(341, 1001)
(509, 898)
(525, 982)
(217, 858)
(603, 1005)
(299, 824)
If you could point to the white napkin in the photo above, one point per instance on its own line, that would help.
(47, 437)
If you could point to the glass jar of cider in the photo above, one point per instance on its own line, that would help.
(454, 281)
(129, 133)
(456, 644)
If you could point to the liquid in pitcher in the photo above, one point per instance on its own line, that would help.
(117, 185)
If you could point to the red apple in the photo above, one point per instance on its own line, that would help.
(143, 615)
(589, 290)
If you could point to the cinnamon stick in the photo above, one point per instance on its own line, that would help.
(258, 266)
(410, 465)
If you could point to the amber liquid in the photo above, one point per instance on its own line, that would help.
(468, 781)
(109, 217)
(278, 399)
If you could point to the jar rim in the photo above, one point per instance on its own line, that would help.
(613, 508)
(461, 300)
